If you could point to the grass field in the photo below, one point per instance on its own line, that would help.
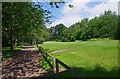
(7, 53)
(89, 58)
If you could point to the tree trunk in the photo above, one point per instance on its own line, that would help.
(11, 40)
(15, 42)
(11, 43)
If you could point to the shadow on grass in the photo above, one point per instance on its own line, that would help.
(6, 53)
(97, 72)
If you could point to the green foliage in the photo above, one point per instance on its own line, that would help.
(24, 22)
(44, 64)
(5, 42)
(57, 32)
(104, 26)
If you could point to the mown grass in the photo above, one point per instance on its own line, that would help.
(90, 58)
(7, 53)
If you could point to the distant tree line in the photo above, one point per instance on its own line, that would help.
(104, 26)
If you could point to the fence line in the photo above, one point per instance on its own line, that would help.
(55, 63)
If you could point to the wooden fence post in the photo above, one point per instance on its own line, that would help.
(57, 66)
(46, 55)
(53, 63)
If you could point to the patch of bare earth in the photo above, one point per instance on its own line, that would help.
(59, 51)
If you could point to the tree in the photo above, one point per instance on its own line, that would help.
(57, 32)
(74, 32)
(94, 26)
(84, 29)
(23, 21)
(109, 24)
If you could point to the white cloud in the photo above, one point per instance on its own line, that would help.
(80, 10)
(113, 6)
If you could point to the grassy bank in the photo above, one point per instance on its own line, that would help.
(90, 58)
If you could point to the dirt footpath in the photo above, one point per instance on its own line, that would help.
(24, 65)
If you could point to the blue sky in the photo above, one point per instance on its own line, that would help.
(92, 4)
(55, 11)
(81, 9)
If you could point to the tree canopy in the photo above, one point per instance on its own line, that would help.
(23, 22)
